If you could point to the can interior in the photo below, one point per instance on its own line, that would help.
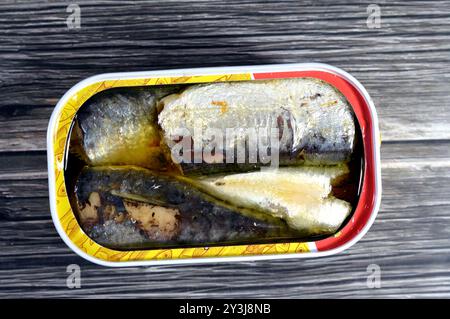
(349, 191)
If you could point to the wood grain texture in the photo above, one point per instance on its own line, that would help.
(405, 66)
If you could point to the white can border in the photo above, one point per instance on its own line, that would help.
(375, 135)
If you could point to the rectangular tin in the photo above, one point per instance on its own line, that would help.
(72, 234)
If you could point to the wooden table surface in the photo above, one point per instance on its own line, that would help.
(404, 64)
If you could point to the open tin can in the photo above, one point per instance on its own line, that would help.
(363, 215)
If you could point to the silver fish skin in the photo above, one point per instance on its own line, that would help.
(315, 122)
(119, 127)
(128, 206)
(300, 195)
